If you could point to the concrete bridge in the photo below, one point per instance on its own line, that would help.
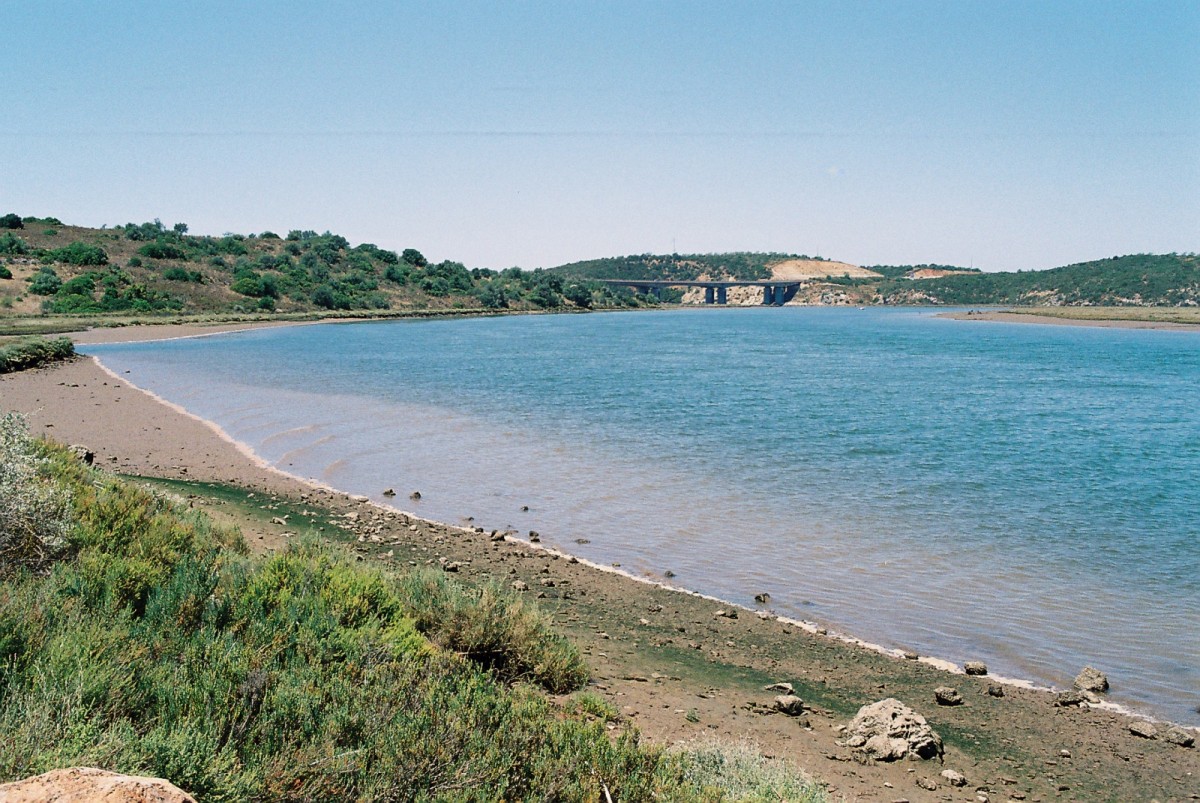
(775, 292)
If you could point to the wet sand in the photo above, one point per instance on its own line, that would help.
(672, 666)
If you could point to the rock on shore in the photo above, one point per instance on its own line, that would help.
(90, 785)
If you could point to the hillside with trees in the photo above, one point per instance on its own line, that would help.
(1133, 280)
(741, 265)
(47, 266)
(1169, 280)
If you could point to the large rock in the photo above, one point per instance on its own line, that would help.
(89, 785)
(83, 453)
(1179, 736)
(947, 696)
(889, 730)
(1092, 680)
(789, 704)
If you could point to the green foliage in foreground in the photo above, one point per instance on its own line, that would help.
(34, 351)
(34, 519)
(157, 647)
(737, 771)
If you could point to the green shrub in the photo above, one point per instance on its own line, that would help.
(34, 516)
(178, 274)
(11, 221)
(45, 282)
(49, 232)
(5, 273)
(160, 650)
(496, 628)
(160, 249)
(12, 245)
(78, 253)
(722, 770)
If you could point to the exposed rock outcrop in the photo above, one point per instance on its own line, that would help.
(89, 785)
(1092, 680)
(889, 730)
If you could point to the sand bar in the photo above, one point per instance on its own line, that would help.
(998, 316)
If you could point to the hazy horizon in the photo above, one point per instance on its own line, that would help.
(1018, 136)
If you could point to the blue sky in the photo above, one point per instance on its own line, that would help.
(1000, 135)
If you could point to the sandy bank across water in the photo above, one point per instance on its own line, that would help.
(998, 316)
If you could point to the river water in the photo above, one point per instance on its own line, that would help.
(1024, 495)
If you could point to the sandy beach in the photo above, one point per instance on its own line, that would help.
(997, 316)
(674, 665)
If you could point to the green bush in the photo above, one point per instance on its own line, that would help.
(495, 628)
(78, 253)
(45, 282)
(11, 221)
(5, 273)
(159, 649)
(721, 770)
(178, 274)
(12, 245)
(160, 249)
(34, 516)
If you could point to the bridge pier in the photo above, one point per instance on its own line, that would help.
(708, 295)
(722, 295)
(768, 296)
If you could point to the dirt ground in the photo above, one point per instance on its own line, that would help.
(675, 667)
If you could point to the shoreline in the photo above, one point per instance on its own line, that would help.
(1005, 316)
(179, 445)
(940, 664)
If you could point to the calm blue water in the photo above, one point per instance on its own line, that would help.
(1024, 495)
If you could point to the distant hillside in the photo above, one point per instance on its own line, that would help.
(1134, 280)
(48, 266)
(743, 265)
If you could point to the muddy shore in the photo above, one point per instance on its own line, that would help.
(673, 666)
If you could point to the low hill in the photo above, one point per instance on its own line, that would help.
(742, 265)
(1133, 280)
(48, 266)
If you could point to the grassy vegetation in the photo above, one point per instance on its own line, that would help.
(30, 352)
(152, 644)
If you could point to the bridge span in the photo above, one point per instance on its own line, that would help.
(775, 292)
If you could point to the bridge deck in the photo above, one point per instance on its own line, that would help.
(703, 283)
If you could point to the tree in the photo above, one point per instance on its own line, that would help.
(579, 295)
(414, 257)
(11, 221)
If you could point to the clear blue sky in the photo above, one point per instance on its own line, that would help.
(1001, 134)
